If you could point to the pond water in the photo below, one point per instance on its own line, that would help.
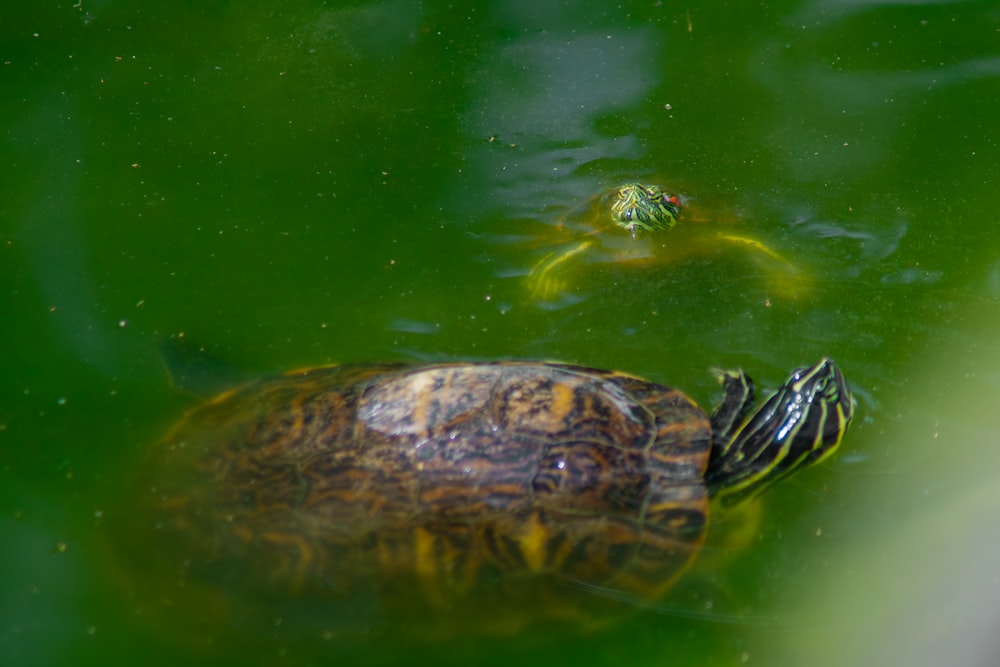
(300, 183)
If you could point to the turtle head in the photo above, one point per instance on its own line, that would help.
(801, 424)
(646, 208)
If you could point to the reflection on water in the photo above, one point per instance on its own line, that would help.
(542, 97)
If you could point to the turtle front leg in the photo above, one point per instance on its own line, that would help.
(548, 278)
(787, 279)
(753, 245)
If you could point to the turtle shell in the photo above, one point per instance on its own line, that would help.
(444, 488)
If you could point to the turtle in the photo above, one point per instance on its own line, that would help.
(482, 497)
(644, 211)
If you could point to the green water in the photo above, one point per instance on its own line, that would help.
(294, 183)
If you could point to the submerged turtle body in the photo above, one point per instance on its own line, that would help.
(645, 211)
(487, 494)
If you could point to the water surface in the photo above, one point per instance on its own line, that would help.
(303, 183)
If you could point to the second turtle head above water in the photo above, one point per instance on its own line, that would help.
(637, 207)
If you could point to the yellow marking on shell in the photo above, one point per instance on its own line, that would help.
(666, 508)
(674, 428)
(425, 565)
(473, 499)
(563, 398)
(533, 541)
(302, 371)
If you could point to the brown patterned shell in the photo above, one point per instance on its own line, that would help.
(464, 481)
